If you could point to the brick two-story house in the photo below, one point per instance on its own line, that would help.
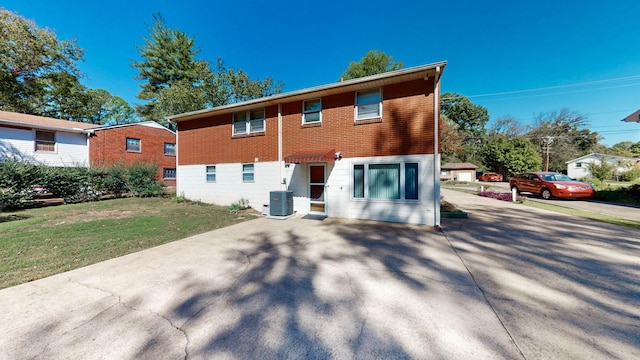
(126, 144)
(365, 148)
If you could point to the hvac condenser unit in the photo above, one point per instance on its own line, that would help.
(280, 203)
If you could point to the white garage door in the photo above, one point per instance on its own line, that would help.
(465, 176)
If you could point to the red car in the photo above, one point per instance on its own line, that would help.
(550, 185)
(490, 176)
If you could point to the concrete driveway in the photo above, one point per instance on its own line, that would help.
(510, 282)
(564, 287)
(264, 289)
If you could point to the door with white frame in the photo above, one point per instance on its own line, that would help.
(317, 183)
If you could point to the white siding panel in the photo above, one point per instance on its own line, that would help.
(71, 148)
(342, 204)
(229, 188)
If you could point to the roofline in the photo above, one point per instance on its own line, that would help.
(135, 123)
(47, 127)
(603, 155)
(329, 89)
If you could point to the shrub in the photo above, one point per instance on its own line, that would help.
(630, 175)
(141, 180)
(109, 181)
(70, 183)
(16, 180)
(241, 204)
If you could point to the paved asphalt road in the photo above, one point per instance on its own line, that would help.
(509, 282)
(622, 211)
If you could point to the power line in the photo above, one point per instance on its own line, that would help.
(632, 77)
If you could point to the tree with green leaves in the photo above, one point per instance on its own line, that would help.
(564, 135)
(169, 59)
(509, 156)
(32, 62)
(374, 62)
(602, 170)
(38, 76)
(470, 118)
(174, 81)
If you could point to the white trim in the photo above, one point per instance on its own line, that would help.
(355, 105)
(247, 122)
(319, 121)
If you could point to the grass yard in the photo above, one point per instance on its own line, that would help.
(37, 243)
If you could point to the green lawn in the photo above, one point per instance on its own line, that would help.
(36, 243)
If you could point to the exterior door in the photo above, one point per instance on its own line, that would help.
(317, 182)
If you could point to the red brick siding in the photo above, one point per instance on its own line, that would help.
(108, 147)
(211, 141)
(406, 127)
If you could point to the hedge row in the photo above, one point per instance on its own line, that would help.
(21, 182)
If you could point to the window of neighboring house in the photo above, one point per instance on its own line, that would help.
(386, 181)
(248, 122)
(211, 173)
(368, 104)
(578, 164)
(45, 141)
(169, 173)
(311, 111)
(247, 173)
(133, 144)
(170, 149)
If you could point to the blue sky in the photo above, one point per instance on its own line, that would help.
(516, 58)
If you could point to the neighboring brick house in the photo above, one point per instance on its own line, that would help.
(458, 172)
(44, 140)
(365, 148)
(137, 142)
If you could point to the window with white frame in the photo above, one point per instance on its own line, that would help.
(368, 104)
(248, 122)
(311, 111)
(247, 173)
(211, 173)
(170, 149)
(578, 164)
(133, 144)
(397, 181)
(45, 141)
(169, 173)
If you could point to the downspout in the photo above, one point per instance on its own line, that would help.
(436, 140)
(283, 184)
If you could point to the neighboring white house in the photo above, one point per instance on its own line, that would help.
(45, 140)
(579, 168)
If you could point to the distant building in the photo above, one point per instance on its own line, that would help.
(458, 172)
(579, 168)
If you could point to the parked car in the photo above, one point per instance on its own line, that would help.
(550, 185)
(490, 176)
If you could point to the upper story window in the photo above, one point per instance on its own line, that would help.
(169, 149)
(248, 122)
(133, 144)
(311, 111)
(368, 104)
(45, 141)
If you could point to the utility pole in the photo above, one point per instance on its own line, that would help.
(547, 143)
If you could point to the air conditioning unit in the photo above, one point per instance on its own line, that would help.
(281, 203)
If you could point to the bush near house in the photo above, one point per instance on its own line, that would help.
(18, 180)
